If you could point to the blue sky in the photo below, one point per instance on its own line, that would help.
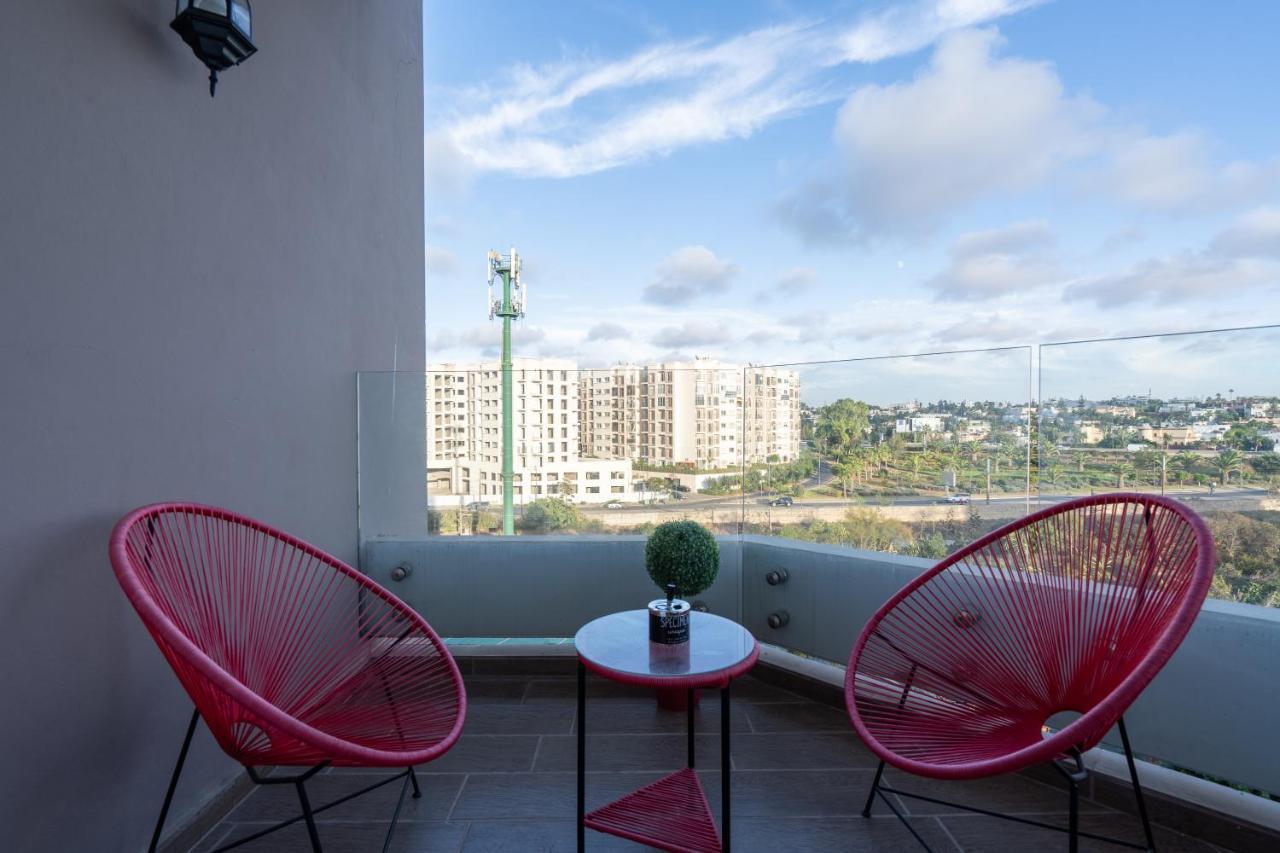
(781, 182)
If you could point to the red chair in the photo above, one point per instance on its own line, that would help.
(291, 657)
(1071, 609)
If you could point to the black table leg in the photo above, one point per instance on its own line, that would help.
(582, 756)
(689, 699)
(724, 766)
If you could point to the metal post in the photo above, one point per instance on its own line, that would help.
(875, 786)
(173, 781)
(582, 756)
(689, 701)
(310, 818)
(508, 451)
(511, 306)
(1137, 788)
(724, 766)
(1073, 843)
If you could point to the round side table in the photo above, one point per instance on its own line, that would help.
(672, 813)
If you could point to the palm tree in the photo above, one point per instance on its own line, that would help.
(1124, 470)
(1228, 462)
(1185, 463)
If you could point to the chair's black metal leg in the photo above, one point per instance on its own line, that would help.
(689, 726)
(582, 756)
(173, 781)
(1137, 788)
(413, 777)
(308, 816)
(395, 816)
(1073, 838)
(725, 772)
(875, 786)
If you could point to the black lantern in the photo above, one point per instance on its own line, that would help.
(219, 32)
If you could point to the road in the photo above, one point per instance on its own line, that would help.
(696, 503)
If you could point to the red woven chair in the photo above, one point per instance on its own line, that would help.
(291, 657)
(1071, 609)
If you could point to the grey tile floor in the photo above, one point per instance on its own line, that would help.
(800, 779)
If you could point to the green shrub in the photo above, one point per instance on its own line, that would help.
(549, 515)
(683, 553)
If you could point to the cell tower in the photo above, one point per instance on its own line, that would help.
(511, 305)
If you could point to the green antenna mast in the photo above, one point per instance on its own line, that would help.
(510, 306)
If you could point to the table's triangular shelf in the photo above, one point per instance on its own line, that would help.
(670, 814)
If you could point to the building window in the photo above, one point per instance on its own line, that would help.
(593, 490)
(593, 475)
(617, 490)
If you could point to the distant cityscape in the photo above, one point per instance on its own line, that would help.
(595, 436)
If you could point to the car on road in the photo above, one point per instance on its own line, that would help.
(785, 500)
(957, 499)
(477, 506)
(677, 496)
(613, 505)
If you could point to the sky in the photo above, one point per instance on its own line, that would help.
(780, 182)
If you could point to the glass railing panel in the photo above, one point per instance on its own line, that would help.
(913, 454)
(1193, 416)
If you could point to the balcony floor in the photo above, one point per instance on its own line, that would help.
(800, 778)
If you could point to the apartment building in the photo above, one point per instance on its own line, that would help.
(703, 413)
(464, 434)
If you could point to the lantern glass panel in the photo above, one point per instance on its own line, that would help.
(241, 17)
(218, 7)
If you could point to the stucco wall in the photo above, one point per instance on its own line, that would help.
(187, 287)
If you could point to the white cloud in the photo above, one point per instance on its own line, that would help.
(1242, 256)
(485, 339)
(989, 264)
(792, 283)
(688, 273)
(968, 125)
(1176, 173)
(1177, 278)
(607, 332)
(1255, 234)
(692, 333)
(580, 116)
(906, 28)
(441, 261)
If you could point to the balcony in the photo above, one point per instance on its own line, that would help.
(222, 301)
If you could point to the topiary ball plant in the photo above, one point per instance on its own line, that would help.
(683, 553)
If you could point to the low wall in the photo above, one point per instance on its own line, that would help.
(1207, 710)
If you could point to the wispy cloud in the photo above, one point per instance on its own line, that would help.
(580, 116)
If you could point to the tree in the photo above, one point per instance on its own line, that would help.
(1124, 471)
(1185, 463)
(842, 425)
(1229, 462)
(549, 515)
(1248, 436)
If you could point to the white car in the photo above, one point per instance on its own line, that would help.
(613, 505)
(958, 499)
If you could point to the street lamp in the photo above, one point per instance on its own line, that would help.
(219, 32)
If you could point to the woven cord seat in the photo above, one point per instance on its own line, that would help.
(291, 657)
(1071, 609)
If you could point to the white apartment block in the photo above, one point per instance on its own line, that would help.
(704, 413)
(464, 434)
(920, 423)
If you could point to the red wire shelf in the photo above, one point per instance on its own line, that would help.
(670, 814)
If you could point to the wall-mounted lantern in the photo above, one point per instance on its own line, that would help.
(219, 32)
